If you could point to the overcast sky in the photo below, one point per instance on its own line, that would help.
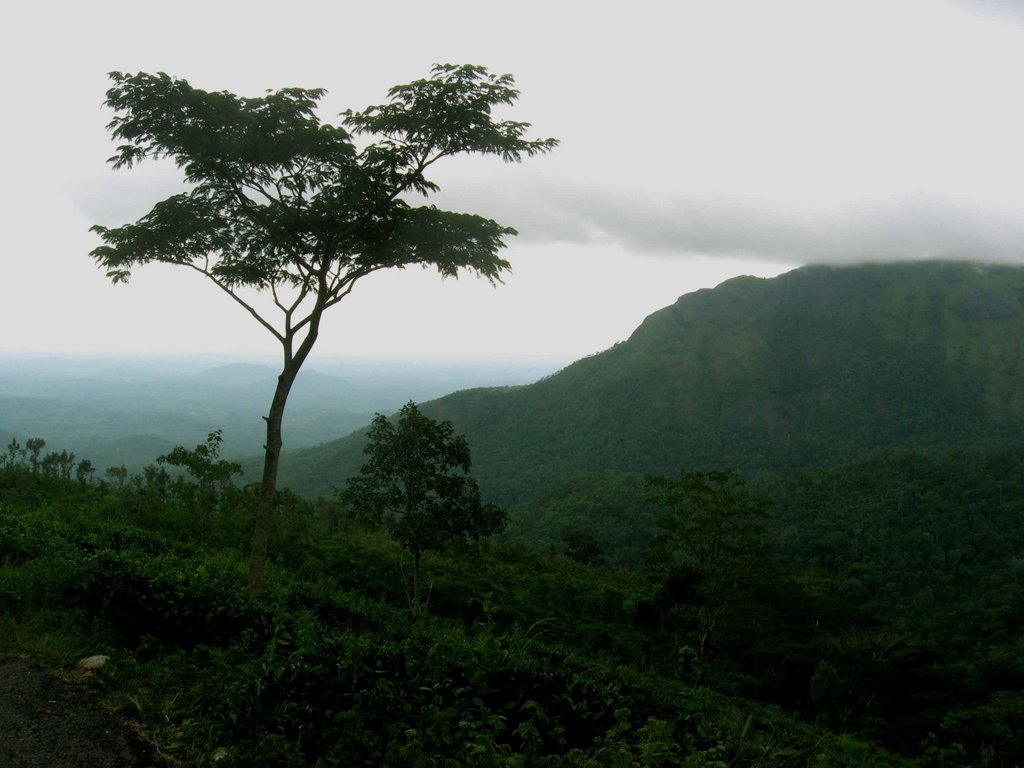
(700, 140)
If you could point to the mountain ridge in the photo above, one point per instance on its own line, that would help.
(818, 366)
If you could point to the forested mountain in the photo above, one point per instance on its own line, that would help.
(817, 367)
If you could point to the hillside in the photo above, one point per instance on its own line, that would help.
(524, 659)
(813, 368)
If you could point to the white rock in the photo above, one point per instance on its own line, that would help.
(93, 662)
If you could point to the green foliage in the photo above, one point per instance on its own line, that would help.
(204, 464)
(710, 538)
(979, 736)
(416, 481)
(583, 547)
(416, 478)
(710, 520)
(316, 204)
(930, 542)
(528, 659)
(126, 567)
(51, 464)
(212, 478)
(929, 545)
(613, 507)
(143, 589)
(167, 600)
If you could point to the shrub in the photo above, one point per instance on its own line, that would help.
(174, 601)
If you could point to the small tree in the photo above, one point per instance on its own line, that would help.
(14, 456)
(84, 471)
(119, 475)
(211, 473)
(35, 445)
(282, 203)
(212, 476)
(416, 481)
(583, 547)
(58, 464)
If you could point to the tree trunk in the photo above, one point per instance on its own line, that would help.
(272, 450)
(268, 486)
(293, 360)
(416, 558)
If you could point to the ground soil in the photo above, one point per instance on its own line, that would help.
(53, 718)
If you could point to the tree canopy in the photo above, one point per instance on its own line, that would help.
(416, 481)
(277, 199)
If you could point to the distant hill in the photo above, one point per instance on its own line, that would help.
(816, 367)
(131, 410)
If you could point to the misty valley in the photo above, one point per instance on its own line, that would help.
(780, 525)
(128, 411)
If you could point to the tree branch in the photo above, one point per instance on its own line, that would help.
(227, 289)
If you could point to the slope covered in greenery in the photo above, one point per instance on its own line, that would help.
(525, 659)
(816, 367)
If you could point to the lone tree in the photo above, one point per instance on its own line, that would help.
(416, 482)
(279, 202)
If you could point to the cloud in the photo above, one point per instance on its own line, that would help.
(895, 227)
(887, 227)
(1001, 10)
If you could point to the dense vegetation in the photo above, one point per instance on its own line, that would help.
(529, 657)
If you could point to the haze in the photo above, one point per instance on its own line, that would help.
(699, 142)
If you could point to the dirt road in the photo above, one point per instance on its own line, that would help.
(50, 720)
